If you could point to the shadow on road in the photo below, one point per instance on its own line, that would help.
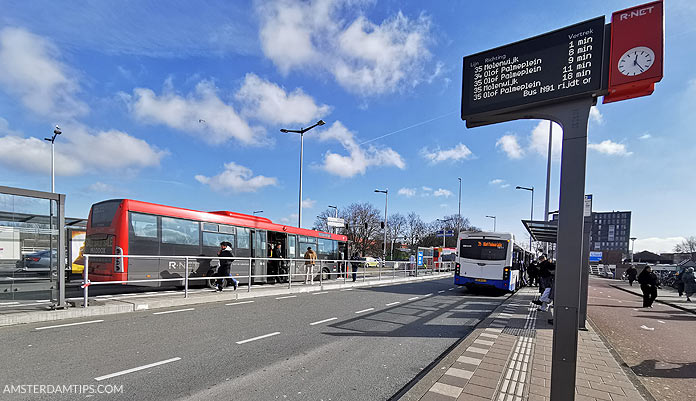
(654, 368)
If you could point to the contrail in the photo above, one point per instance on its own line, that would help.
(409, 127)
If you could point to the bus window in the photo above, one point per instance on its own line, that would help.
(292, 248)
(180, 231)
(243, 238)
(326, 249)
(143, 225)
(212, 227)
(214, 239)
(103, 213)
(482, 249)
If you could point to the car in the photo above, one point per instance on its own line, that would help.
(371, 262)
(38, 261)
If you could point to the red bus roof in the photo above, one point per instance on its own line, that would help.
(224, 217)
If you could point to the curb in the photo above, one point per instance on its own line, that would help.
(118, 306)
(419, 386)
(656, 300)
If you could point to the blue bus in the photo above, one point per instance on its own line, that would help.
(488, 259)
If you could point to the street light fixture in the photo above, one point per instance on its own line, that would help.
(52, 139)
(633, 247)
(492, 217)
(257, 211)
(386, 202)
(443, 230)
(531, 215)
(301, 131)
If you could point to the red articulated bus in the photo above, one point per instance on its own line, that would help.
(130, 227)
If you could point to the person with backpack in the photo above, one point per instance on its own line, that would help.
(311, 258)
(225, 264)
(689, 280)
(631, 274)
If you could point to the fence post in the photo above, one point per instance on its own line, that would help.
(186, 274)
(249, 284)
(290, 264)
(85, 282)
(394, 270)
(321, 276)
(379, 270)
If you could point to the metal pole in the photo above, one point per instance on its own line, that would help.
(494, 224)
(386, 202)
(459, 213)
(186, 274)
(61, 250)
(531, 218)
(249, 283)
(587, 227)
(548, 179)
(573, 117)
(299, 218)
(85, 282)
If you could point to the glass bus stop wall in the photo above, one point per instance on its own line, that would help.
(32, 249)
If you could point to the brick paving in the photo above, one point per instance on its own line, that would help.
(509, 359)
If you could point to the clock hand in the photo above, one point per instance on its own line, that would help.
(635, 62)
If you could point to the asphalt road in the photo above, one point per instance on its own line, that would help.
(656, 343)
(363, 344)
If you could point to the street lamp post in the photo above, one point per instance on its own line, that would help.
(52, 139)
(492, 217)
(443, 230)
(301, 131)
(633, 247)
(386, 202)
(531, 215)
(459, 213)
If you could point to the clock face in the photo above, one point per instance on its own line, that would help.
(636, 61)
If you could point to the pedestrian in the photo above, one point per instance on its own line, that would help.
(225, 264)
(631, 274)
(679, 282)
(689, 280)
(544, 274)
(310, 259)
(547, 274)
(648, 285)
(277, 254)
(533, 273)
(355, 265)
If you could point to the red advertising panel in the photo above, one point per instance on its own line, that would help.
(637, 51)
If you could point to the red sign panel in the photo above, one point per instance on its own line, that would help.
(637, 51)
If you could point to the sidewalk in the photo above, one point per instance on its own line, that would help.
(666, 295)
(508, 358)
(113, 304)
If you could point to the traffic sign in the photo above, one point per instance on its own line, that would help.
(595, 256)
(448, 233)
(562, 64)
(420, 258)
(335, 222)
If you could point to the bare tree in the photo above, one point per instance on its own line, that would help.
(687, 246)
(396, 230)
(415, 229)
(320, 221)
(363, 227)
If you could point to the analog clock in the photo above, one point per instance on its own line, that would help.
(636, 61)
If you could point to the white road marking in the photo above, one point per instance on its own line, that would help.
(259, 337)
(239, 303)
(450, 289)
(123, 372)
(411, 299)
(441, 291)
(660, 321)
(347, 289)
(644, 327)
(323, 321)
(43, 300)
(428, 294)
(393, 303)
(68, 324)
(319, 293)
(365, 310)
(173, 311)
(286, 297)
(9, 303)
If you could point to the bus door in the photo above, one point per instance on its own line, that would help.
(259, 250)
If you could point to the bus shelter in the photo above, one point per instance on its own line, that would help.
(32, 249)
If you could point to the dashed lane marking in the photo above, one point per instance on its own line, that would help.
(365, 310)
(319, 293)
(173, 311)
(414, 298)
(441, 291)
(259, 337)
(323, 321)
(289, 296)
(123, 372)
(392, 303)
(68, 324)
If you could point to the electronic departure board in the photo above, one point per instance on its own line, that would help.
(559, 64)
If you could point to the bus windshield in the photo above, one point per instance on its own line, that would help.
(103, 213)
(483, 249)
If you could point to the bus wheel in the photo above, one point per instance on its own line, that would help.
(325, 275)
(212, 282)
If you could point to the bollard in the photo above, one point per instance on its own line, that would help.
(186, 274)
(249, 284)
(290, 274)
(379, 271)
(85, 281)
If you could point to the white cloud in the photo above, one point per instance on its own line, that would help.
(657, 245)
(269, 103)
(79, 151)
(509, 145)
(236, 178)
(645, 136)
(100, 187)
(596, 116)
(496, 181)
(30, 68)
(539, 140)
(358, 159)
(308, 203)
(220, 121)
(442, 192)
(364, 57)
(444, 205)
(426, 189)
(407, 192)
(459, 152)
(609, 147)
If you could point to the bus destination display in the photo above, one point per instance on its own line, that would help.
(559, 64)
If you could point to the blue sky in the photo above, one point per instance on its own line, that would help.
(128, 83)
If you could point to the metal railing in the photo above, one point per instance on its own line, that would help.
(345, 270)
